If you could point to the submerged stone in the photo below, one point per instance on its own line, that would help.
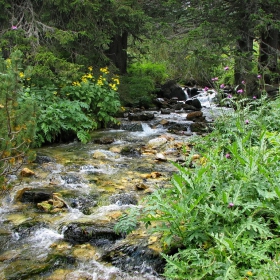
(26, 172)
(24, 269)
(98, 234)
(134, 258)
(124, 199)
(34, 196)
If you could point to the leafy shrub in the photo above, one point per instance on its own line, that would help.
(75, 109)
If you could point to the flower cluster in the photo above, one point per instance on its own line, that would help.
(101, 80)
(104, 70)
(76, 84)
(86, 77)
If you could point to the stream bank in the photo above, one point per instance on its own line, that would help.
(58, 221)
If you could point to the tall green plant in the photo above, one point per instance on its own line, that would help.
(17, 117)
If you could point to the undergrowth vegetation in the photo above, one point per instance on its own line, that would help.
(220, 219)
(140, 83)
(32, 114)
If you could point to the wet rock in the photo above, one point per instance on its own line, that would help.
(99, 155)
(104, 140)
(5, 237)
(84, 204)
(27, 227)
(45, 206)
(40, 159)
(160, 157)
(195, 103)
(124, 199)
(199, 127)
(164, 122)
(142, 116)
(95, 233)
(156, 142)
(58, 202)
(131, 126)
(192, 91)
(9, 255)
(115, 149)
(172, 90)
(134, 258)
(84, 252)
(165, 111)
(24, 269)
(177, 128)
(71, 178)
(194, 115)
(188, 107)
(141, 186)
(177, 106)
(26, 172)
(130, 151)
(161, 103)
(53, 205)
(34, 196)
(151, 175)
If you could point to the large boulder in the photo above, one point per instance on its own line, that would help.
(34, 196)
(192, 91)
(96, 233)
(172, 90)
(195, 103)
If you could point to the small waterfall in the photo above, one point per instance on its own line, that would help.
(147, 129)
(186, 93)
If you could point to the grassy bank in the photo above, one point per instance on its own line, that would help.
(220, 218)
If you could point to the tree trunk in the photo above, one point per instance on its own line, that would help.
(244, 64)
(117, 52)
(268, 53)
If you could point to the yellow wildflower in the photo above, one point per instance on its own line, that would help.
(90, 68)
(21, 75)
(116, 80)
(76, 84)
(113, 86)
(100, 82)
(104, 70)
(8, 62)
(84, 79)
(203, 160)
(89, 76)
(249, 273)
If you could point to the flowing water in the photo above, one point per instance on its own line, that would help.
(93, 184)
(88, 178)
